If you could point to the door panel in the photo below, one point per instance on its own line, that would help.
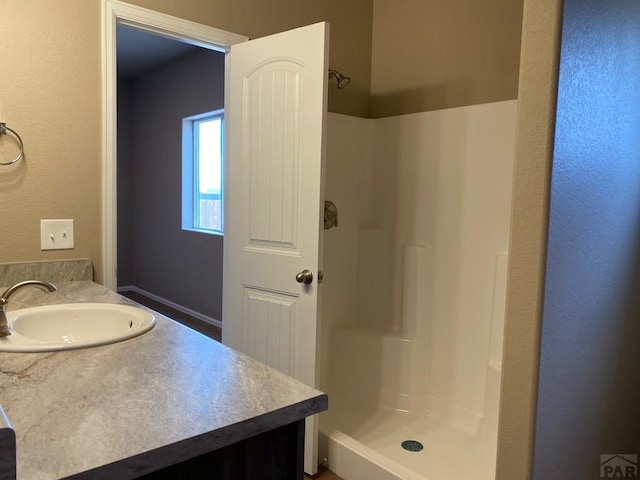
(276, 117)
(268, 333)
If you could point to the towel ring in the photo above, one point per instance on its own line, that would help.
(3, 131)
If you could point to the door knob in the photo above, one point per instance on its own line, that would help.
(305, 276)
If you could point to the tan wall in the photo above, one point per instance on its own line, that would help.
(351, 24)
(50, 59)
(529, 220)
(429, 54)
(50, 94)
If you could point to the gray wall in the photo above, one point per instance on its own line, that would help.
(181, 266)
(589, 387)
(125, 182)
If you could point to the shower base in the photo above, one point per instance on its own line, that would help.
(373, 450)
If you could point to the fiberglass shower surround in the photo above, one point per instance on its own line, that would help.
(413, 306)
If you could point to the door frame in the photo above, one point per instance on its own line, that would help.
(115, 12)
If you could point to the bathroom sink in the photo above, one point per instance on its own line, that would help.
(73, 325)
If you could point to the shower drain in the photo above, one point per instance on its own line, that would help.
(412, 445)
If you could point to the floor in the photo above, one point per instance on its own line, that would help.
(323, 474)
(210, 331)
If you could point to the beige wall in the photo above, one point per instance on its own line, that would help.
(351, 24)
(50, 56)
(529, 220)
(50, 59)
(429, 54)
(50, 94)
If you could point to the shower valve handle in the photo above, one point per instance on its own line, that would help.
(305, 276)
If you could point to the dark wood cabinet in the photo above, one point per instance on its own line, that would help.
(274, 455)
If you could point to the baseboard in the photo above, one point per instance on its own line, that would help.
(169, 303)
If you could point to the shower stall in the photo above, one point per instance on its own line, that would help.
(414, 292)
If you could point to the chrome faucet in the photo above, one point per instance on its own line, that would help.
(4, 299)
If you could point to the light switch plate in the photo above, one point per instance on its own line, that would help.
(56, 234)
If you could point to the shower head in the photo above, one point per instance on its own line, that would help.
(343, 80)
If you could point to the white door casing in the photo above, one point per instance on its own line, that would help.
(274, 173)
(298, 310)
(115, 12)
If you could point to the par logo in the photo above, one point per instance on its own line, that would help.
(619, 465)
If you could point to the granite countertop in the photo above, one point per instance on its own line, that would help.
(126, 409)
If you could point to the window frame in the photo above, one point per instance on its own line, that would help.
(190, 172)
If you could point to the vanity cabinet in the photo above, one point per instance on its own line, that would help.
(273, 455)
(168, 404)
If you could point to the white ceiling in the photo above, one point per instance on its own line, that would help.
(139, 51)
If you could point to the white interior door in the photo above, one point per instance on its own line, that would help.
(276, 117)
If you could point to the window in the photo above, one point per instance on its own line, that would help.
(202, 179)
